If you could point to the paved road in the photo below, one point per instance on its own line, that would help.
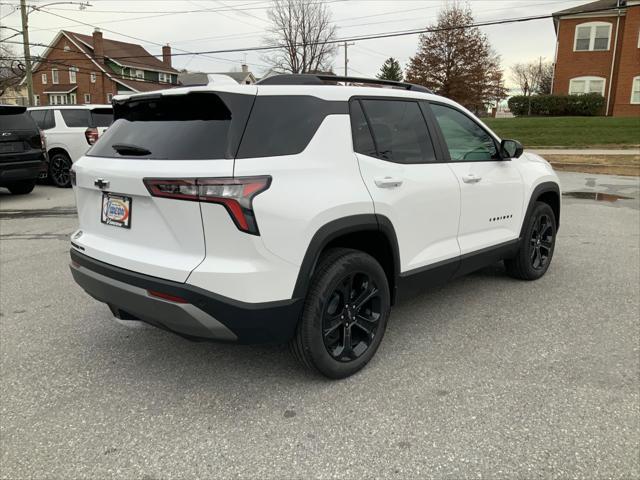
(486, 377)
(587, 151)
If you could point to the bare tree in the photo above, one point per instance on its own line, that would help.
(456, 60)
(302, 28)
(533, 77)
(11, 68)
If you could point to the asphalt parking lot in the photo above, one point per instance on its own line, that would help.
(484, 377)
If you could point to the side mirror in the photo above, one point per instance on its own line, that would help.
(511, 148)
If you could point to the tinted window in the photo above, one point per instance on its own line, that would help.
(44, 118)
(101, 117)
(284, 125)
(362, 139)
(13, 121)
(466, 140)
(75, 118)
(400, 131)
(178, 127)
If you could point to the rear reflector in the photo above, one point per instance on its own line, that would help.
(166, 296)
(235, 194)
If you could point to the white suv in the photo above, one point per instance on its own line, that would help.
(69, 131)
(300, 209)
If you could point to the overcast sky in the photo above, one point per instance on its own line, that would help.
(241, 24)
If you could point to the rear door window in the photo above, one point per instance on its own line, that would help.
(75, 117)
(399, 130)
(362, 139)
(195, 126)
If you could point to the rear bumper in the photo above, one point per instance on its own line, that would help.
(205, 316)
(17, 171)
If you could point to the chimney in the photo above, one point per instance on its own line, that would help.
(98, 46)
(166, 55)
(245, 69)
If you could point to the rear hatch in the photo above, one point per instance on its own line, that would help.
(170, 135)
(19, 136)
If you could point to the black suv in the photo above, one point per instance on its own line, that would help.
(23, 155)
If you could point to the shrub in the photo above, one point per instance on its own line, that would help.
(589, 104)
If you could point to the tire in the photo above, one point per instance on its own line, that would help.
(333, 337)
(536, 246)
(59, 165)
(22, 187)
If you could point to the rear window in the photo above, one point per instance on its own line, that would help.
(195, 126)
(44, 118)
(101, 117)
(284, 125)
(75, 118)
(400, 131)
(10, 120)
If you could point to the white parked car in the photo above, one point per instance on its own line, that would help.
(300, 210)
(69, 131)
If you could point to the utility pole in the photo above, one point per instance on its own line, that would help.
(27, 53)
(346, 58)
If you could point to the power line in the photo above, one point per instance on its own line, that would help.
(397, 33)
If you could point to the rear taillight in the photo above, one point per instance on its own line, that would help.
(43, 141)
(91, 134)
(236, 194)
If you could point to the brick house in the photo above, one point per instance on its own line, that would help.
(598, 50)
(78, 68)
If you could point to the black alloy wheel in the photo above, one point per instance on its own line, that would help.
(351, 317)
(345, 313)
(59, 166)
(536, 245)
(541, 242)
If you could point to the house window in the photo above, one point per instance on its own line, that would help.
(87, 98)
(72, 74)
(56, 99)
(109, 97)
(72, 99)
(164, 77)
(54, 76)
(140, 74)
(580, 85)
(44, 78)
(93, 77)
(635, 91)
(36, 100)
(592, 36)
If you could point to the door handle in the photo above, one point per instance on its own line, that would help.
(471, 178)
(388, 182)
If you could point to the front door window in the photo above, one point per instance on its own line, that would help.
(466, 140)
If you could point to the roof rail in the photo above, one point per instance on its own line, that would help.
(324, 79)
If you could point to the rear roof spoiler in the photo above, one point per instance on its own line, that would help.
(12, 109)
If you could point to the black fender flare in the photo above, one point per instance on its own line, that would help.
(539, 190)
(336, 228)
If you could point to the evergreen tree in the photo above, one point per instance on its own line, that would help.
(456, 60)
(390, 70)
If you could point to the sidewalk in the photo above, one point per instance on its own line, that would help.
(586, 151)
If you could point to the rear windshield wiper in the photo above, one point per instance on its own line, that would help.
(127, 149)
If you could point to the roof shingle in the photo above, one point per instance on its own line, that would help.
(127, 54)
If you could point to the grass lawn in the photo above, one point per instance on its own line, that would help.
(574, 132)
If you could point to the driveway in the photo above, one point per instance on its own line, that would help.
(484, 377)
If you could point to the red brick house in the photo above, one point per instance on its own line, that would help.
(78, 68)
(598, 50)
